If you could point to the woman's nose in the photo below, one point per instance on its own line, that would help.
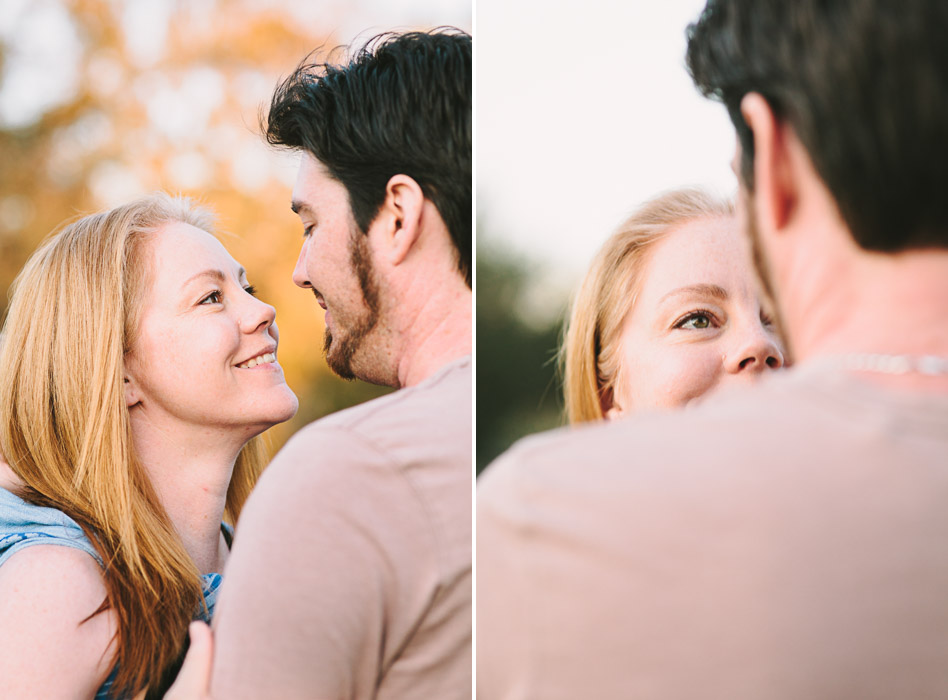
(258, 315)
(756, 351)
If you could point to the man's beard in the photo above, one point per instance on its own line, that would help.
(763, 269)
(340, 351)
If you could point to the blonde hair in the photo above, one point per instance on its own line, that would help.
(589, 354)
(65, 429)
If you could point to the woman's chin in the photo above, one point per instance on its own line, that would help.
(278, 412)
(286, 410)
(292, 406)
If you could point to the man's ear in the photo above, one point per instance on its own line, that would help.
(776, 186)
(403, 209)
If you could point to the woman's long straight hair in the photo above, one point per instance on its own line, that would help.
(65, 429)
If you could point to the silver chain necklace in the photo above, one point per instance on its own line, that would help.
(896, 364)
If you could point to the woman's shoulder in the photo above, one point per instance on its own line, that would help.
(48, 599)
(51, 585)
(53, 570)
(24, 525)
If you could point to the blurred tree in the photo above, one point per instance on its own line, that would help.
(101, 101)
(517, 390)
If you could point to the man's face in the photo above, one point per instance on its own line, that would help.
(335, 264)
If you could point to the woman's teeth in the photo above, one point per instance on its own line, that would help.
(259, 360)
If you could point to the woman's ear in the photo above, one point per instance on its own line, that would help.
(608, 405)
(613, 413)
(404, 204)
(132, 394)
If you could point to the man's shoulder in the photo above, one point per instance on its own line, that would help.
(436, 410)
(629, 459)
(359, 477)
(443, 397)
(800, 491)
(706, 430)
(780, 433)
(419, 427)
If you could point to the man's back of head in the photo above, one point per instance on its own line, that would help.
(841, 111)
(863, 84)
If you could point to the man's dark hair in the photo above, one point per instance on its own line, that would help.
(863, 83)
(400, 105)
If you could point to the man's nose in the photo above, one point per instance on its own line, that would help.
(300, 275)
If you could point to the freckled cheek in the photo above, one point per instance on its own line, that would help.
(690, 374)
(197, 354)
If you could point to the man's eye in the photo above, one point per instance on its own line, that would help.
(212, 298)
(307, 230)
(251, 290)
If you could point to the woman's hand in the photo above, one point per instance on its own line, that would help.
(194, 678)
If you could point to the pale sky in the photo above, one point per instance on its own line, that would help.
(585, 110)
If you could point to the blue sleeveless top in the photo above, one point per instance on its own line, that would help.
(23, 525)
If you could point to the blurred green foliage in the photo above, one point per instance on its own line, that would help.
(518, 391)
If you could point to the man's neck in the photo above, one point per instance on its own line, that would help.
(885, 304)
(440, 334)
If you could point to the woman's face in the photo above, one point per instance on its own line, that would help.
(205, 355)
(697, 321)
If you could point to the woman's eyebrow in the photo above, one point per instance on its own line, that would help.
(216, 275)
(705, 290)
(212, 274)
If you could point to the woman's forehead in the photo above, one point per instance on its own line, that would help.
(180, 250)
(701, 251)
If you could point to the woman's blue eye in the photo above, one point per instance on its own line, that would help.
(212, 298)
